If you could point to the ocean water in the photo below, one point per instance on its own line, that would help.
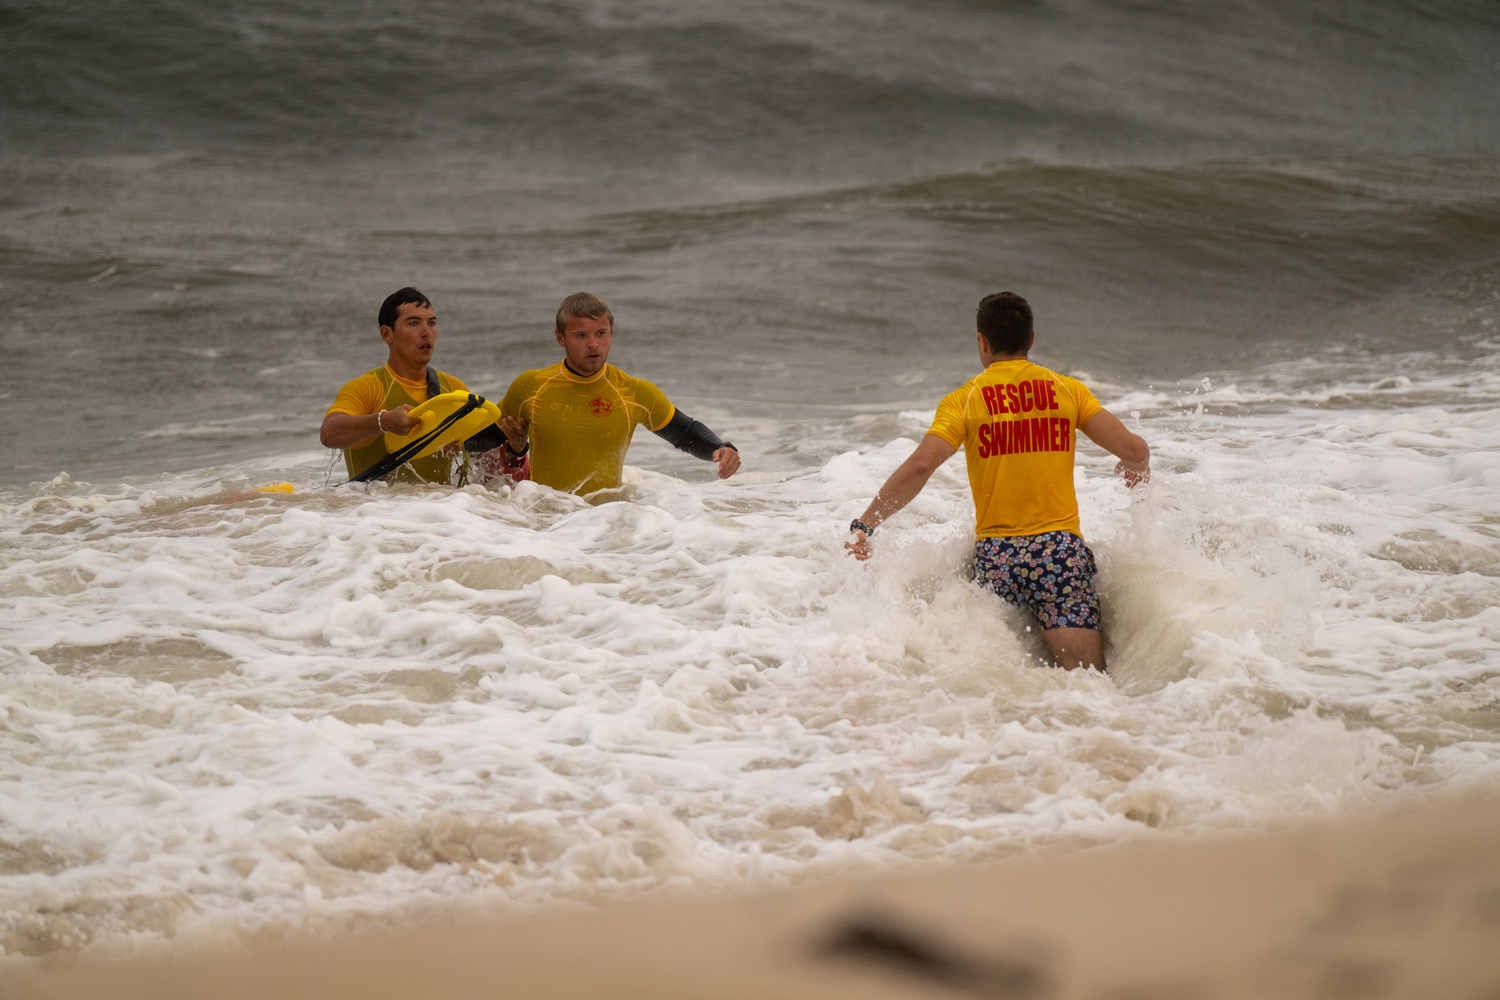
(1269, 240)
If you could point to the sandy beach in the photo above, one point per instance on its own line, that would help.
(1405, 904)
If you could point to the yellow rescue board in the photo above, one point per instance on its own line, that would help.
(434, 412)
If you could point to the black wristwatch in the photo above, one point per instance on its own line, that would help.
(858, 525)
(522, 452)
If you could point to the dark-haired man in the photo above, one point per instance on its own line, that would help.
(582, 412)
(1015, 421)
(380, 401)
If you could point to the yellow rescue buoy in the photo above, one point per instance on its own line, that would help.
(434, 412)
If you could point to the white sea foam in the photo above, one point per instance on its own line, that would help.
(348, 704)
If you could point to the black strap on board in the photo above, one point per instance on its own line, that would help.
(487, 439)
(396, 459)
(490, 437)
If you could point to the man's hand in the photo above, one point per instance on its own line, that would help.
(904, 484)
(1133, 474)
(729, 461)
(399, 421)
(860, 547)
(1105, 430)
(517, 433)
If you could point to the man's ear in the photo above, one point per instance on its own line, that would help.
(386, 333)
(560, 341)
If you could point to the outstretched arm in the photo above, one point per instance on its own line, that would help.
(686, 434)
(1105, 430)
(901, 488)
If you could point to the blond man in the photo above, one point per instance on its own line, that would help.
(581, 412)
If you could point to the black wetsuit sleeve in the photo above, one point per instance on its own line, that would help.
(686, 434)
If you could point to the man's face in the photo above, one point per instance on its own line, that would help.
(585, 343)
(414, 334)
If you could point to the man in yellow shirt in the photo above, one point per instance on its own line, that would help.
(1016, 421)
(380, 400)
(582, 412)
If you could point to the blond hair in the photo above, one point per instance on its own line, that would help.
(582, 305)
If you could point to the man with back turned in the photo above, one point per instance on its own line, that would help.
(582, 411)
(1016, 421)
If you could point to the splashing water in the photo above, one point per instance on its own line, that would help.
(350, 704)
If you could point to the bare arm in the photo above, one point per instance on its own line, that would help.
(901, 488)
(1106, 430)
(345, 430)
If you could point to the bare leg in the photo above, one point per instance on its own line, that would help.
(1075, 647)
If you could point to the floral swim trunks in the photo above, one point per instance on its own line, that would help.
(1052, 574)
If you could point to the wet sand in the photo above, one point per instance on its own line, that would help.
(1402, 904)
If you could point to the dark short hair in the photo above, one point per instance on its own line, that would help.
(1005, 321)
(391, 307)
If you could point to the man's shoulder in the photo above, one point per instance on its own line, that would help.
(370, 379)
(535, 375)
(360, 395)
(1044, 370)
(623, 380)
(373, 375)
(619, 376)
(1074, 385)
(963, 391)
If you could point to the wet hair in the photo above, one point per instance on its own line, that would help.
(582, 305)
(1005, 321)
(391, 307)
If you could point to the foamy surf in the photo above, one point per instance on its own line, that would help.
(347, 705)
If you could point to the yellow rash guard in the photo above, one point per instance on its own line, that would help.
(382, 389)
(581, 427)
(1017, 422)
